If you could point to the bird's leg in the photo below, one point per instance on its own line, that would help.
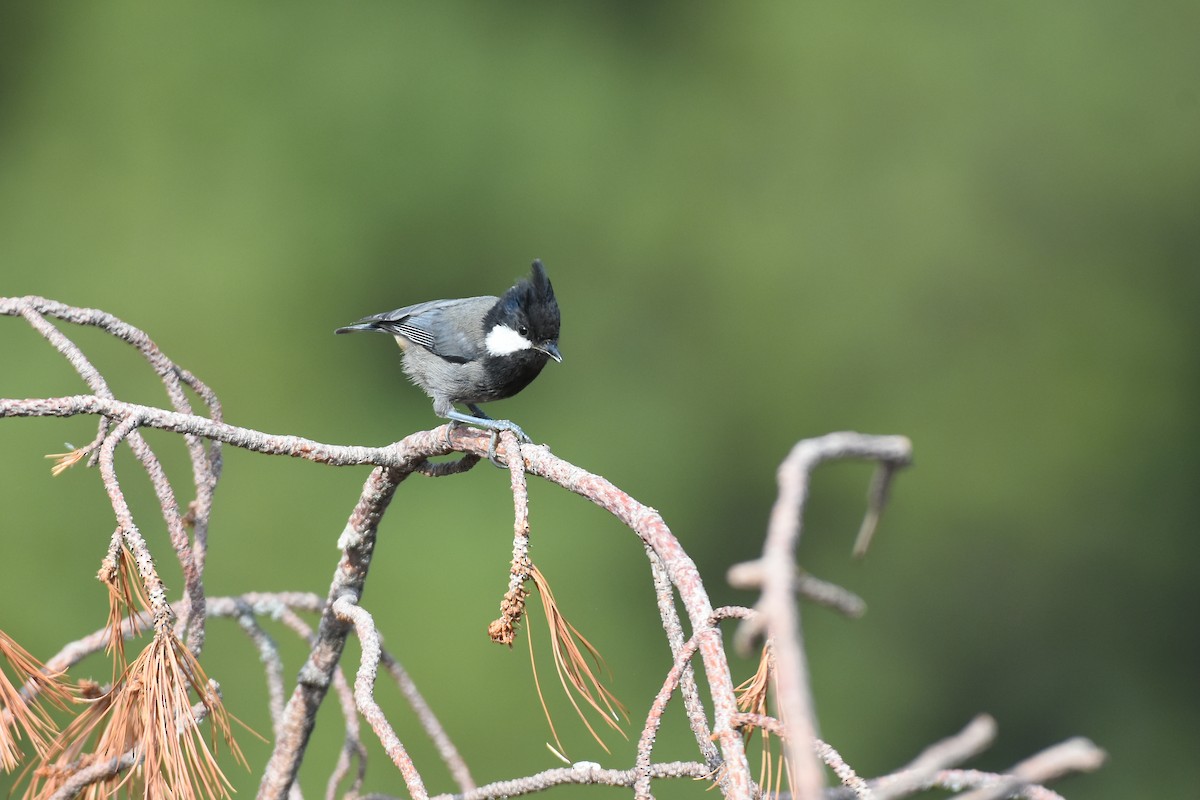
(489, 424)
(493, 440)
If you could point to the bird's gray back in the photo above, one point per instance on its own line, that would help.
(443, 327)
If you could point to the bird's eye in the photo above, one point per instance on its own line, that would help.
(523, 330)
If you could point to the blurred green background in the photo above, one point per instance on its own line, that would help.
(975, 225)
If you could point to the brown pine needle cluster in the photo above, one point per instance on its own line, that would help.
(144, 731)
(126, 596)
(574, 672)
(64, 461)
(67, 750)
(752, 699)
(148, 711)
(18, 718)
(752, 693)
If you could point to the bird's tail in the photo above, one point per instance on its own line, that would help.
(366, 325)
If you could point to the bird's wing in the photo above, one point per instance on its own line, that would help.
(440, 326)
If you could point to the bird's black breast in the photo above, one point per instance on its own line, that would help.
(507, 375)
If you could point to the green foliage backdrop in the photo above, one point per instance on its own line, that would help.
(973, 224)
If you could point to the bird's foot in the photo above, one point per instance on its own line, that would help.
(496, 426)
(495, 438)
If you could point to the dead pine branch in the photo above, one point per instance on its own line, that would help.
(149, 717)
(778, 610)
(364, 693)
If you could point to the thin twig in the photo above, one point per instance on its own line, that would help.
(948, 752)
(664, 592)
(503, 630)
(846, 774)
(268, 654)
(348, 611)
(749, 575)
(584, 772)
(645, 745)
(1074, 755)
(683, 657)
(282, 607)
(429, 721)
(155, 590)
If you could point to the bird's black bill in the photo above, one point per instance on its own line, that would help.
(550, 349)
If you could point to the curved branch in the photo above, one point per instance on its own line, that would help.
(780, 613)
(347, 610)
(155, 589)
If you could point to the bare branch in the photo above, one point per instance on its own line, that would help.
(846, 774)
(780, 614)
(364, 693)
(930, 769)
(358, 544)
(155, 590)
(206, 465)
(749, 575)
(403, 458)
(649, 525)
(664, 591)
(584, 772)
(429, 721)
(1073, 755)
(949, 752)
(683, 657)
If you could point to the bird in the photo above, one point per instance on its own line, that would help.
(474, 350)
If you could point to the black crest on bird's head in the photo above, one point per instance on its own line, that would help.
(531, 303)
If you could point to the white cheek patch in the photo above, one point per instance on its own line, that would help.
(503, 340)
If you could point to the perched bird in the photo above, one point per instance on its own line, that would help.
(475, 349)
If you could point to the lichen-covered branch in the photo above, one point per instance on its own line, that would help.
(677, 584)
(358, 543)
(347, 610)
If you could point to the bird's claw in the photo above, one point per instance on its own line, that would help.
(492, 451)
(450, 426)
(505, 425)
